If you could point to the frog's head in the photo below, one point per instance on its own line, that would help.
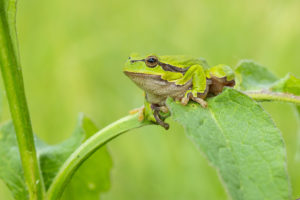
(151, 71)
(143, 70)
(142, 64)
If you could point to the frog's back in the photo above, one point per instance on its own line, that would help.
(183, 61)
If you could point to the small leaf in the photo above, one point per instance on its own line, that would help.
(252, 76)
(11, 171)
(239, 138)
(93, 177)
(298, 144)
(53, 156)
(288, 84)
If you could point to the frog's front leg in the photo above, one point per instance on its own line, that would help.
(151, 112)
(199, 88)
(156, 113)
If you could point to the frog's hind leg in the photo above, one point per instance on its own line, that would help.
(200, 85)
(199, 98)
(218, 84)
(221, 76)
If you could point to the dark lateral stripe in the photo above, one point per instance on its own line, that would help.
(168, 67)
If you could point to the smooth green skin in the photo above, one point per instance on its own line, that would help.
(198, 72)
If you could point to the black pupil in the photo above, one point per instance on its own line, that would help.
(152, 60)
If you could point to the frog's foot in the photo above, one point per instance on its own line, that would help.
(164, 109)
(140, 112)
(202, 102)
(189, 95)
(157, 116)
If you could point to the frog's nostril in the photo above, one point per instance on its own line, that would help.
(129, 58)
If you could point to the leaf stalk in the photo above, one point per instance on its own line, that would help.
(266, 95)
(13, 81)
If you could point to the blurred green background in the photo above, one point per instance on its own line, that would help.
(72, 56)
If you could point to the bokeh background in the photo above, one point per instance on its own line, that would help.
(72, 56)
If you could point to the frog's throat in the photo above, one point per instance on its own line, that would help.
(154, 84)
(166, 67)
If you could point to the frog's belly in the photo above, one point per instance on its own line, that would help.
(157, 89)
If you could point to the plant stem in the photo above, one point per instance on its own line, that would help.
(274, 96)
(13, 81)
(85, 150)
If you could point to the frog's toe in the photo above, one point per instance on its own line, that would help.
(166, 126)
(159, 121)
(184, 101)
(164, 109)
(140, 112)
(188, 96)
(141, 117)
(202, 102)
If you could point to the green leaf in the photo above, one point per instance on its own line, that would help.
(93, 176)
(260, 84)
(11, 171)
(298, 135)
(53, 156)
(240, 139)
(91, 179)
(288, 84)
(252, 76)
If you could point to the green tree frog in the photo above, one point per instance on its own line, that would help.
(183, 78)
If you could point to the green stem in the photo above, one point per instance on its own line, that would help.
(85, 150)
(274, 96)
(13, 81)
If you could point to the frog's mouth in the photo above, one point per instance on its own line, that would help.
(140, 77)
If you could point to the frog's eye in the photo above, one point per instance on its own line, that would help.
(151, 61)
